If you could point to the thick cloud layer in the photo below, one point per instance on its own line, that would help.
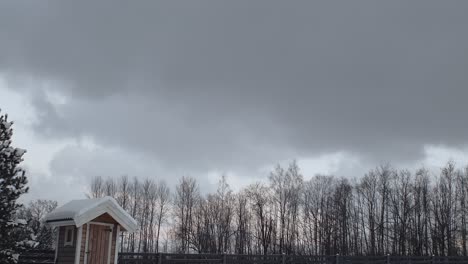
(217, 85)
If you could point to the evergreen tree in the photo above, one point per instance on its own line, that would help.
(45, 238)
(12, 186)
(34, 213)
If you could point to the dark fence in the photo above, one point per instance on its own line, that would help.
(148, 258)
(37, 256)
(47, 257)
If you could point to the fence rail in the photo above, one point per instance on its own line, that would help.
(163, 258)
(47, 257)
(37, 256)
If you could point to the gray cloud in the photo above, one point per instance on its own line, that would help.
(202, 85)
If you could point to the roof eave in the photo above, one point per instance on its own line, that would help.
(60, 222)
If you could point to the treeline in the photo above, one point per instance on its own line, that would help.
(387, 211)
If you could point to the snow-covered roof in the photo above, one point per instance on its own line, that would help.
(81, 212)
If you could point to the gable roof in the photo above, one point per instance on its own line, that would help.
(80, 212)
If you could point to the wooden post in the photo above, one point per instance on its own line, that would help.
(159, 258)
(224, 258)
(86, 256)
(388, 258)
(432, 259)
(57, 244)
(283, 258)
(78, 245)
(337, 260)
(117, 245)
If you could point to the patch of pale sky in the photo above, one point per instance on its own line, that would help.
(39, 151)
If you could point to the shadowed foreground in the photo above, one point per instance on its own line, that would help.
(151, 258)
(135, 258)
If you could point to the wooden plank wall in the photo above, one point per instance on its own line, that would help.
(66, 254)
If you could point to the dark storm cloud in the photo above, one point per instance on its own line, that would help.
(208, 84)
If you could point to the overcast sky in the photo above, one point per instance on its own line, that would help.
(203, 88)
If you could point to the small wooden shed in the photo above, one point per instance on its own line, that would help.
(88, 231)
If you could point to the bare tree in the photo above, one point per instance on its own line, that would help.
(163, 200)
(242, 232)
(185, 200)
(287, 187)
(260, 199)
(123, 198)
(110, 188)
(96, 187)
